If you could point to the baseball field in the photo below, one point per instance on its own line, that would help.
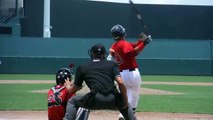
(24, 97)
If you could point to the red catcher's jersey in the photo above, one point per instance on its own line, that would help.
(57, 101)
(125, 54)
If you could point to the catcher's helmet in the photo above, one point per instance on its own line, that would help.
(98, 50)
(63, 74)
(118, 31)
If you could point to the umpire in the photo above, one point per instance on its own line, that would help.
(99, 75)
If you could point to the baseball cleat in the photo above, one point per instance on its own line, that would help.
(121, 118)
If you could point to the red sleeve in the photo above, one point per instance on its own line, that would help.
(112, 47)
(133, 44)
(129, 49)
(136, 43)
(112, 53)
(140, 46)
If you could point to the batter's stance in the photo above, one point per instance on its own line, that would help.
(124, 53)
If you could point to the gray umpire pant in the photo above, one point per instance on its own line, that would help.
(101, 102)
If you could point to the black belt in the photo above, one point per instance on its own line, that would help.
(133, 69)
(105, 92)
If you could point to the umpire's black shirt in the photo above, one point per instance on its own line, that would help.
(98, 74)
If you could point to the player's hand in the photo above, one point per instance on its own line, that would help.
(143, 36)
(146, 39)
(68, 83)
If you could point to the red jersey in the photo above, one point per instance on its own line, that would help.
(125, 54)
(57, 101)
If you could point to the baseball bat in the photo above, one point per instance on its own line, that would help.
(139, 17)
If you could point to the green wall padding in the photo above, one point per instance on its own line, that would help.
(161, 56)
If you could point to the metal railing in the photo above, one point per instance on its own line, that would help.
(5, 19)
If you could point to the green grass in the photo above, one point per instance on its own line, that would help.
(195, 99)
(27, 77)
(19, 97)
(163, 78)
(170, 78)
(176, 104)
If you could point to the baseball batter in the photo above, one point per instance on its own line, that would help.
(125, 54)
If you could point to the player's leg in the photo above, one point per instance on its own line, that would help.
(72, 107)
(134, 97)
(125, 77)
(82, 114)
(129, 95)
(135, 89)
(127, 113)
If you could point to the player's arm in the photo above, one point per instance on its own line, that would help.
(141, 43)
(134, 51)
(71, 88)
(134, 44)
(112, 51)
(139, 47)
(111, 56)
(121, 85)
(122, 89)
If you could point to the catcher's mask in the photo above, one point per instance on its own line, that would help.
(118, 32)
(63, 74)
(97, 51)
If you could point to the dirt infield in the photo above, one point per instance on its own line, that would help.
(106, 115)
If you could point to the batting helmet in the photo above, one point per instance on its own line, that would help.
(118, 31)
(63, 74)
(98, 50)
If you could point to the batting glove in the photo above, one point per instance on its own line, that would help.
(146, 39)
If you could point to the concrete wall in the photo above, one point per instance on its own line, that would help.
(87, 19)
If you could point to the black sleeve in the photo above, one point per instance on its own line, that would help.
(116, 71)
(78, 77)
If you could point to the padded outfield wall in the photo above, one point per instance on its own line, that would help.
(162, 56)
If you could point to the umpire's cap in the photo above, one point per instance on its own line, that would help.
(97, 49)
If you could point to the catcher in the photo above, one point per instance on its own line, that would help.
(58, 97)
